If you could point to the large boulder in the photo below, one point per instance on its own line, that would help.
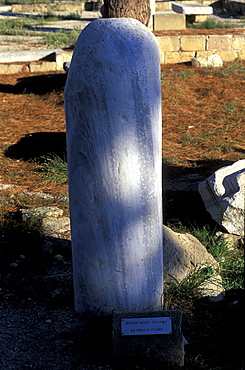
(184, 254)
(223, 196)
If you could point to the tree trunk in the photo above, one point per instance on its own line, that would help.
(138, 9)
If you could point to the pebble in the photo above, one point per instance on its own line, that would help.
(14, 264)
(5, 186)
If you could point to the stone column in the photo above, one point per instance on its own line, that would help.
(113, 114)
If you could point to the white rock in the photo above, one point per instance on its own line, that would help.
(5, 186)
(213, 60)
(41, 211)
(183, 254)
(223, 196)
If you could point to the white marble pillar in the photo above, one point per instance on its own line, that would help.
(113, 114)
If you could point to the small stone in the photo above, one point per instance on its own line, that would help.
(5, 186)
(58, 257)
(41, 211)
(14, 264)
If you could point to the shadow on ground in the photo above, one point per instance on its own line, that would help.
(38, 85)
(36, 145)
(182, 202)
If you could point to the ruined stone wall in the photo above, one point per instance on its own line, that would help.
(182, 48)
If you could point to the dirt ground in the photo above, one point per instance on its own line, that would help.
(203, 130)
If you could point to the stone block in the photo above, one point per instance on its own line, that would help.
(219, 42)
(13, 68)
(26, 55)
(241, 54)
(42, 67)
(60, 57)
(148, 351)
(178, 57)
(190, 43)
(238, 42)
(228, 56)
(168, 43)
(162, 5)
(201, 18)
(203, 54)
(162, 57)
(168, 21)
(189, 9)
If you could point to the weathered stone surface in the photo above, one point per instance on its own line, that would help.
(232, 241)
(113, 113)
(149, 351)
(183, 254)
(238, 42)
(190, 9)
(192, 42)
(223, 196)
(228, 56)
(42, 66)
(219, 42)
(5, 186)
(167, 43)
(13, 68)
(178, 56)
(169, 21)
(54, 225)
(42, 211)
(213, 60)
(25, 55)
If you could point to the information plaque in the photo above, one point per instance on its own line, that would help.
(146, 326)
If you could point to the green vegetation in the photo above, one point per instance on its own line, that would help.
(192, 286)
(210, 24)
(61, 38)
(54, 168)
(236, 67)
(231, 260)
(17, 26)
(21, 27)
(186, 74)
(231, 266)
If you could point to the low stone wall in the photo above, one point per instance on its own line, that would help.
(182, 48)
(46, 8)
(174, 46)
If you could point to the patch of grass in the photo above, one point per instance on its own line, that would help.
(186, 74)
(190, 287)
(233, 68)
(54, 169)
(15, 26)
(231, 264)
(210, 24)
(61, 38)
(20, 27)
(231, 260)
